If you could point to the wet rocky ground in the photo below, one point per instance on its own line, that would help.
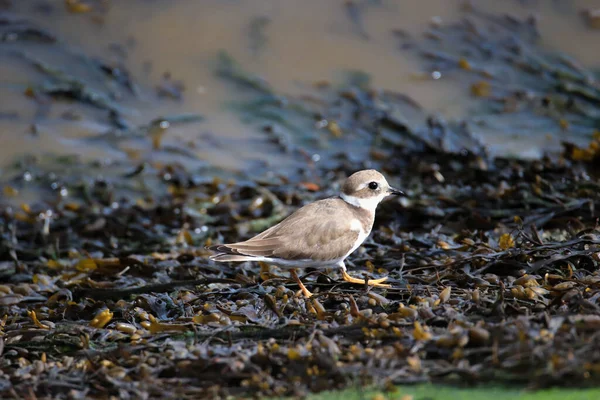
(106, 289)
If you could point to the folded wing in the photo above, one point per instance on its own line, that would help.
(316, 231)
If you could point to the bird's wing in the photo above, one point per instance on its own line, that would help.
(318, 231)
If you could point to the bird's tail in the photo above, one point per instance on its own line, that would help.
(231, 257)
(227, 254)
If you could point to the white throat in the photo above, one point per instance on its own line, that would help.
(366, 204)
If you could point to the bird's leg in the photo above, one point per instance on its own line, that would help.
(265, 270)
(371, 282)
(296, 278)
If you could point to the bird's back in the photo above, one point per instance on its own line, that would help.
(325, 230)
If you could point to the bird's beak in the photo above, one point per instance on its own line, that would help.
(396, 192)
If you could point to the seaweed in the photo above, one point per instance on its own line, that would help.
(516, 82)
(228, 68)
(518, 240)
(106, 288)
(256, 33)
(354, 12)
(13, 29)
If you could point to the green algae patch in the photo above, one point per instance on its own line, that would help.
(437, 392)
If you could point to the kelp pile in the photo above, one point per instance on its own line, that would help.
(107, 289)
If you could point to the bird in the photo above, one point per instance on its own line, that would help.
(321, 234)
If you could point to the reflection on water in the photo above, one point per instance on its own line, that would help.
(291, 44)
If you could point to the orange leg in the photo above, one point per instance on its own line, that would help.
(296, 278)
(371, 282)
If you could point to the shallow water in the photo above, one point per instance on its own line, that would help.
(301, 42)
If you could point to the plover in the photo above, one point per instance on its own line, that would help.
(320, 234)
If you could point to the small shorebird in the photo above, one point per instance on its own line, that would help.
(320, 234)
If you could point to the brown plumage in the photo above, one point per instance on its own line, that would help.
(320, 234)
(321, 231)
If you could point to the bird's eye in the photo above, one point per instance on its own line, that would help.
(373, 185)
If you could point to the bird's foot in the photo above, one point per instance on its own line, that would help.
(303, 288)
(370, 282)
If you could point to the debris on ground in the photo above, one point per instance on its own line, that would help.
(106, 288)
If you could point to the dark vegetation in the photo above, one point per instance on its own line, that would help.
(106, 289)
